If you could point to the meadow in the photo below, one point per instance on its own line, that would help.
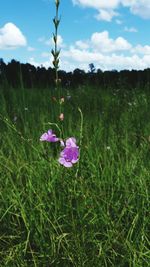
(93, 214)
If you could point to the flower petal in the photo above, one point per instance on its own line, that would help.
(71, 142)
(61, 160)
(49, 137)
(67, 164)
(50, 132)
(74, 160)
(44, 137)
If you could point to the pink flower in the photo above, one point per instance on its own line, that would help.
(61, 116)
(49, 137)
(70, 154)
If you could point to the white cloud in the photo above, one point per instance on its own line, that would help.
(59, 41)
(106, 15)
(81, 56)
(63, 64)
(139, 49)
(105, 62)
(146, 60)
(131, 29)
(76, 58)
(138, 7)
(45, 64)
(11, 37)
(101, 42)
(97, 4)
(105, 52)
(50, 42)
(106, 8)
(30, 48)
(81, 44)
(45, 54)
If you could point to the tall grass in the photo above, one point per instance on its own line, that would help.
(50, 216)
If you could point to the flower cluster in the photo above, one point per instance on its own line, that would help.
(70, 153)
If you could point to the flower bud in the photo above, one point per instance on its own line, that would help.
(61, 116)
(62, 100)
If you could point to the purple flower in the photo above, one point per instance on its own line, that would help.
(49, 137)
(70, 154)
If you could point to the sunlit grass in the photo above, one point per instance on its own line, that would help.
(52, 217)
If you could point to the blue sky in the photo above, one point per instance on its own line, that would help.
(112, 34)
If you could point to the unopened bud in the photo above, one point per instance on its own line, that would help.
(62, 100)
(57, 2)
(61, 116)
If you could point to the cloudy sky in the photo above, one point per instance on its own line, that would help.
(112, 34)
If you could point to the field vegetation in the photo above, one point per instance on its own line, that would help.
(93, 214)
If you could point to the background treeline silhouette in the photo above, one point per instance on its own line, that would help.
(16, 74)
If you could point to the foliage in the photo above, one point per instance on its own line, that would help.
(97, 216)
(16, 74)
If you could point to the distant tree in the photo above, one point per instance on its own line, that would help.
(2, 66)
(16, 74)
(13, 72)
(78, 77)
(99, 71)
(92, 68)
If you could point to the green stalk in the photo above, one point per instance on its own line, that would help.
(55, 52)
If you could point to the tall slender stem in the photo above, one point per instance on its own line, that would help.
(55, 52)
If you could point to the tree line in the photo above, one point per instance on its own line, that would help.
(15, 74)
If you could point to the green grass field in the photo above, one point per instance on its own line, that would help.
(93, 214)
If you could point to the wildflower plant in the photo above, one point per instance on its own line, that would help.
(55, 52)
(69, 154)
